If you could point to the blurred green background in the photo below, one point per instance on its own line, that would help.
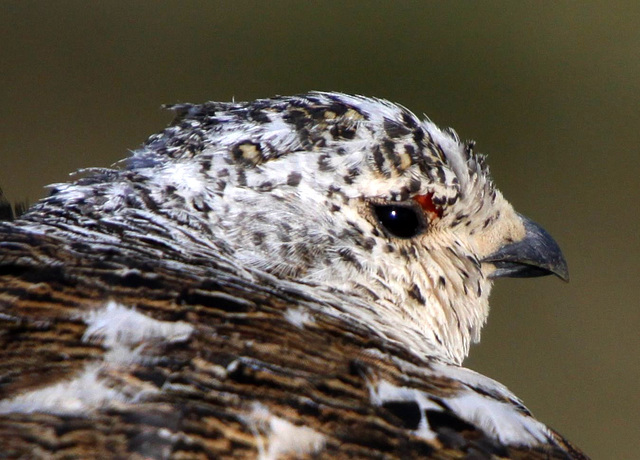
(550, 90)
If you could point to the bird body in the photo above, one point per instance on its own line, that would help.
(289, 277)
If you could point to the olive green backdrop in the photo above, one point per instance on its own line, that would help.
(550, 90)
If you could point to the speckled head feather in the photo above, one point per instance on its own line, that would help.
(290, 186)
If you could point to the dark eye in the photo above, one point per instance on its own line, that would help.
(402, 221)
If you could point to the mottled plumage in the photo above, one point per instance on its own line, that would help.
(290, 277)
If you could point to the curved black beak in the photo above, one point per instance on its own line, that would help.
(537, 254)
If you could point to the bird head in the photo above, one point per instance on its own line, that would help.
(349, 197)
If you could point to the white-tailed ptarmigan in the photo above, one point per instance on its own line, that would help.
(293, 277)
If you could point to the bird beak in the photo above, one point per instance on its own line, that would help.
(537, 254)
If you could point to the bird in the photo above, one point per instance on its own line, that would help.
(291, 277)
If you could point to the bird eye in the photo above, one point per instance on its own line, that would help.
(402, 221)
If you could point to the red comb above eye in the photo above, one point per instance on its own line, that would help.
(426, 203)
